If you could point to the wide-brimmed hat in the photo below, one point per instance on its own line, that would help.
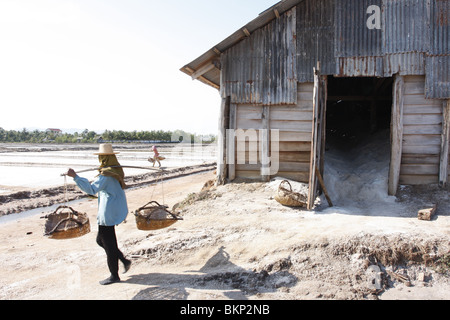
(105, 149)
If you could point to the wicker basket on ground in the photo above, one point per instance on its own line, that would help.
(287, 197)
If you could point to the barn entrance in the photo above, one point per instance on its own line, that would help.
(358, 148)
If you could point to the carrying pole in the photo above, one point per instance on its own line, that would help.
(131, 167)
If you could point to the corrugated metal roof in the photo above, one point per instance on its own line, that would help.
(440, 27)
(262, 68)
(353, 37)
(360, 67)
(406, 26)
(315, 38)
(437, 84)
(413, 39)
(405, 63)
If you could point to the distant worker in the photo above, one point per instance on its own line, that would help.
(156, 157)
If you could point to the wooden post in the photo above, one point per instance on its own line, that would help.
(222, 154)
(396, 135)
(312, 183)
(323, 122)
(322, 184)
(231, 143)
(443, 162)
(265, 143)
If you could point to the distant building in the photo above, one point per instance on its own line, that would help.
(56, 131)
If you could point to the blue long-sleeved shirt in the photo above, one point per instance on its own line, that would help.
(112, 203)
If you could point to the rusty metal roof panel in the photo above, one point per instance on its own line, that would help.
(406, 26)
(437, 84)
(360, 67)
(353, 37)
(440, 27)
(406, 63)
(358, 48)
(262, 68)
(243, 61)
(315, 38)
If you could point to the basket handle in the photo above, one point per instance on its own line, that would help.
(285, 181)
(66, 207)
(154, 202)
(164, 207)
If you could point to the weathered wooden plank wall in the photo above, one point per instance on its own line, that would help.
(294, 123)
(422, 128)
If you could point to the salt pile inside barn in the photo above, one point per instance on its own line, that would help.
(359, 174)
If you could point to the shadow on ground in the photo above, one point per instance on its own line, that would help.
(218, 273)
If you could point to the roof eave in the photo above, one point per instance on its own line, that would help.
(210, 76)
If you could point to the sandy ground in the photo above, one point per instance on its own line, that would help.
(237, 242)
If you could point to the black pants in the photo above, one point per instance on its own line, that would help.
(106, 238)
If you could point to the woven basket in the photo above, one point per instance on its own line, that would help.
(66, 223)
(160, 158)
(287, 197)
(154, 216)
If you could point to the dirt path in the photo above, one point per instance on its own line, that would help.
(237, 242)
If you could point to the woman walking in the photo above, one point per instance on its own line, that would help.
(112, 207)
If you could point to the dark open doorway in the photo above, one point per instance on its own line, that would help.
(357, 108)
(357, 152)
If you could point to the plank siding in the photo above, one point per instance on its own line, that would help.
(422, 128)
(421, 142)
(295, 127)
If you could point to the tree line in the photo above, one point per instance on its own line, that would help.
(88, 136)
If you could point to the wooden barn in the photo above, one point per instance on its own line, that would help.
(305, 69)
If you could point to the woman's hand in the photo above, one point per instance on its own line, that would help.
(71, 173)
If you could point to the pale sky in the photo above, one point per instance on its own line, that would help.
(112, 64)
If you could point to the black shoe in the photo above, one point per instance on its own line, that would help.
(110, 280)
(127, 265)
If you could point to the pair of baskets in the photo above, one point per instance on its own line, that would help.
(66, 223)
